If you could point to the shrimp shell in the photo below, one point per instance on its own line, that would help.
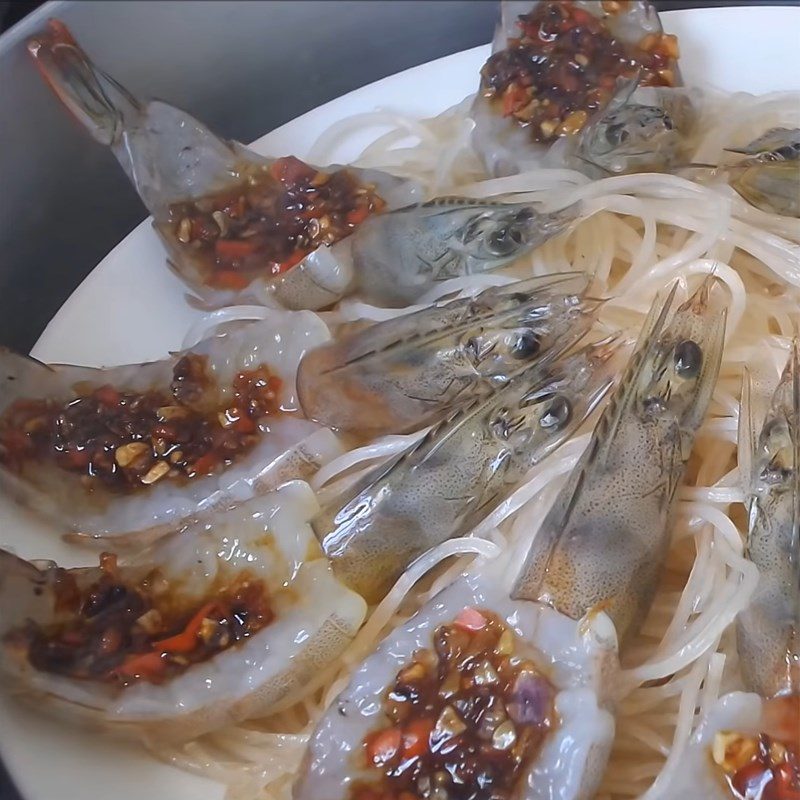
(268, 537)
(768, 631)
(407, 372)
(400, 255)
(290, 447)
(451, 479)
(603, 543)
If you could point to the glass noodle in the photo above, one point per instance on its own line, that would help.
(641, 232)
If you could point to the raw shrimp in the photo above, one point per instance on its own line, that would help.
(472, 673)
(602, 544)
(400, 255)
(126, 451)
(216, 623)
(748, 743)
(228, 218)
(769, 177)
(453, 477)
(404, 373)
(640, 130)
(484, 695)
(554, 68)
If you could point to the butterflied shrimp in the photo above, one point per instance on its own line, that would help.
(127, 451)
(407, 372)
(503, 687)
(216, 623)
(460, 471)
(236, 226)
(748, 743)
(400, 255)
(554, 67)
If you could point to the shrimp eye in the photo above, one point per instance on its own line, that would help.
(525, 346)
(688, 359)
(557, 414)
(504, 241)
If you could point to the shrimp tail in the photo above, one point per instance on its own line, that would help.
(167, 154)
(103, 106)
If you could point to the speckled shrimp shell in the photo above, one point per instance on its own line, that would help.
(579, 659)
(267, 542)
(170, 157)
(287, 446)
(768, 630)
(603, 542)
(462, 469)
(402, 254)
(507, 146)
(404, 373)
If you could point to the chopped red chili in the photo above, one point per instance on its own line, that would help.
(565, 64)
(471, 712)
(758, 767)
(117, 631)
(127, 440)
(270, 220)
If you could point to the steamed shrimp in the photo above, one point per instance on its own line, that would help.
(404, 373)
(129, 451)
(217, 622)
(505, 688)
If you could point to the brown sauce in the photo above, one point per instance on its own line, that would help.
(269, 221)
(126, 441)
(462, 720)
(564, 66)
(118, 631)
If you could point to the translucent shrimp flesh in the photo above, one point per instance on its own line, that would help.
(402, 374)
(504, 687)
(126, 452)
(217, 622)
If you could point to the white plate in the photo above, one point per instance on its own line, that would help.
(131, 308)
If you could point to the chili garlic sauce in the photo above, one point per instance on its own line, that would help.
(463, 717)
(125, 441)
(746, 748)
(476, 697)
(120, 629)
(564, 66)
(269, 220)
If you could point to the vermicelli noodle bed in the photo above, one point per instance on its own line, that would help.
(640, 232)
